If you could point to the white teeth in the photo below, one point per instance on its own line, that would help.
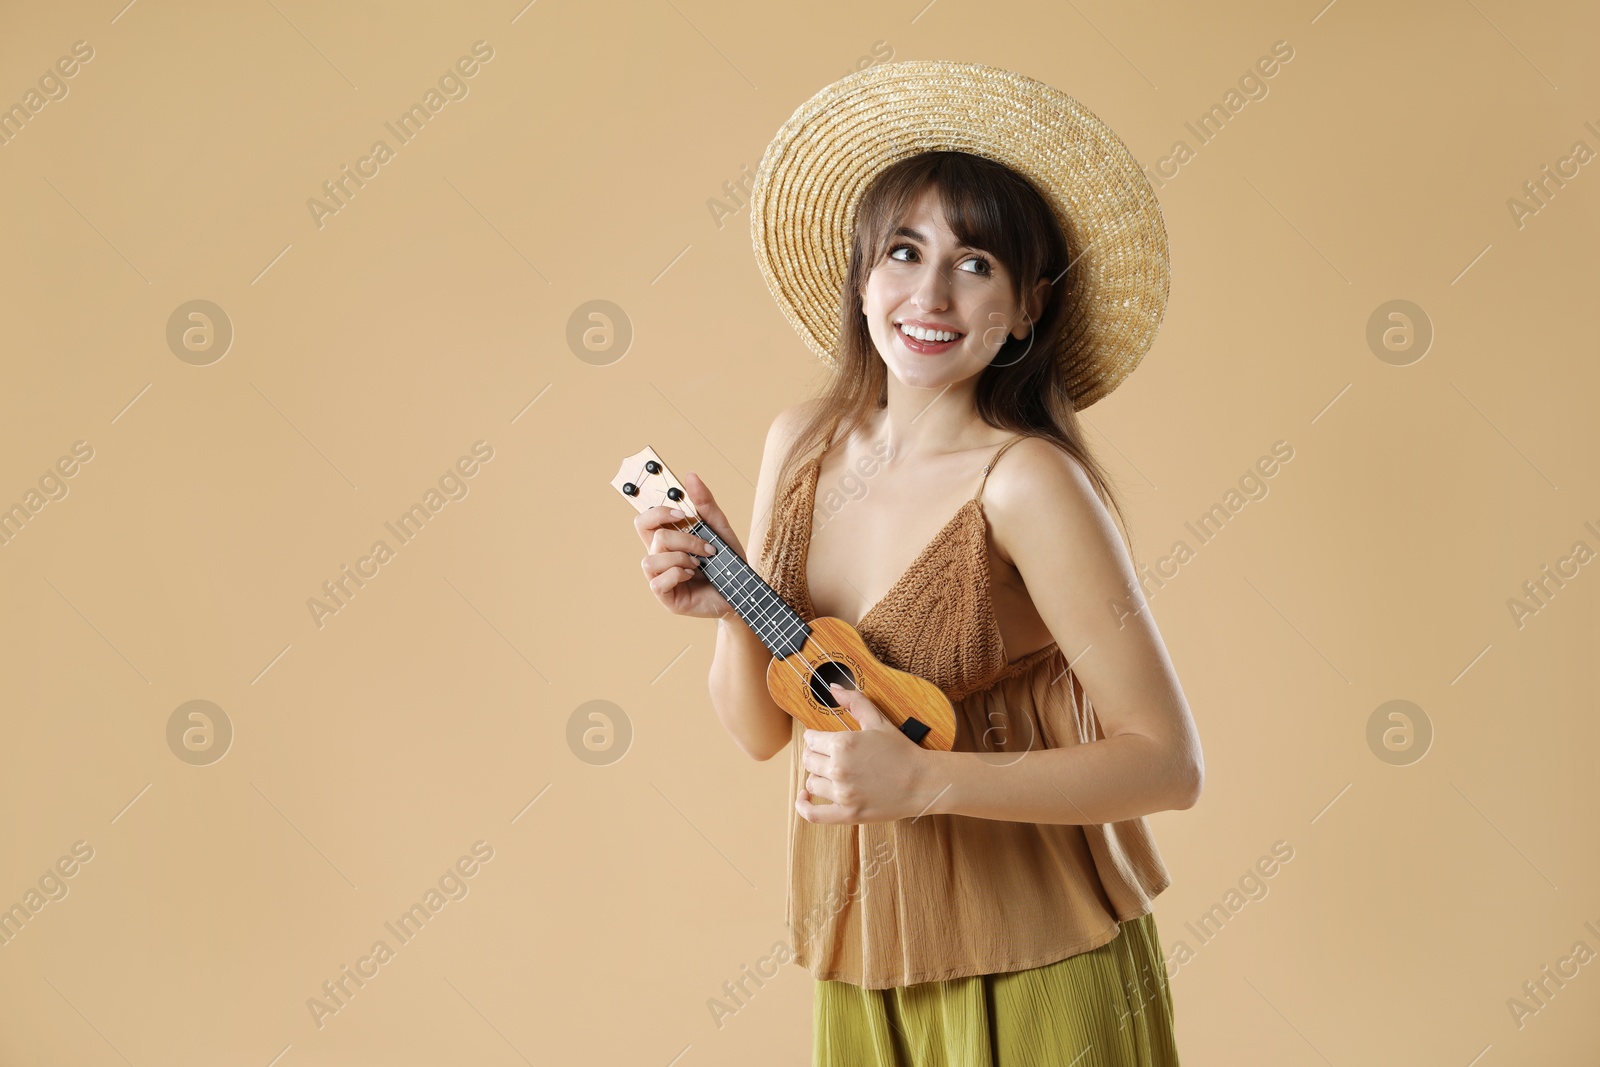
(928, 335)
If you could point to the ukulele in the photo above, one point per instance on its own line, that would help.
(806, 657)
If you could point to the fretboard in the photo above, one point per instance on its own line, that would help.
(778, 625)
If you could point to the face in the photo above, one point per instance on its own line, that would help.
(928, 278)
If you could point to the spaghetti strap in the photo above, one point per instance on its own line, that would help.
(992, 461)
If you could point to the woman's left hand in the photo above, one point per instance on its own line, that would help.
(874, 774)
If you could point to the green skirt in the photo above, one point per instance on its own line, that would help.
(1108, 1007)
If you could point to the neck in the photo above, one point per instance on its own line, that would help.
(927, 422)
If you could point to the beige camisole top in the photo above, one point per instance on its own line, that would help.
(945, 896)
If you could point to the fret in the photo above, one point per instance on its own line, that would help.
(778, 625)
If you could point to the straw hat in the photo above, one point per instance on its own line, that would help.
(803, 204)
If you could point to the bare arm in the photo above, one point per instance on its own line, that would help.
(1049, 522)
(738, 677)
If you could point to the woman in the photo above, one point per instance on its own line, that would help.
(992, 904)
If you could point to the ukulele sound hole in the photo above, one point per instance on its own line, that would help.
(825, 674)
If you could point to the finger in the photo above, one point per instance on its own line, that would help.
(865, 711)
(658, 563)
(670, 540)
(668, 580)
(699, 492)
(648, 520)
(821, 787)
(855, 703)
(654, 563)
(843, 696)
(820, 741)
(671, 577)
(659, 528)
(706, 505)
(817, 763)
(817, 813)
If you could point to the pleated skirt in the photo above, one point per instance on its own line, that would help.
(1108, 1007)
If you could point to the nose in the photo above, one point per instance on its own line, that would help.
(932, 291)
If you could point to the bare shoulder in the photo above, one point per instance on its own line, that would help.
(781, 434)
(1039, 494)
(787, 422)
(780, 439)
(1033, 468)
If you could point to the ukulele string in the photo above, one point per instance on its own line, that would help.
(723, 547)
(815, 638)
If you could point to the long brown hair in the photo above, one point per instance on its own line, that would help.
(989, 206)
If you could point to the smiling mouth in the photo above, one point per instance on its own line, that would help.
(932, 343)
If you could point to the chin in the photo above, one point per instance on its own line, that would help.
(923, 376)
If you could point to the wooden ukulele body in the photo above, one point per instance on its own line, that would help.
(835, 652)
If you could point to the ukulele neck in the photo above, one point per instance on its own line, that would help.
(778, 625)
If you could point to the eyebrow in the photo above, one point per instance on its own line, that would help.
(916, 235)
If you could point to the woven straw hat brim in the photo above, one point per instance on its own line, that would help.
(811, 177)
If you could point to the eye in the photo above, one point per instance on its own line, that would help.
(986, 271)
(988, 268)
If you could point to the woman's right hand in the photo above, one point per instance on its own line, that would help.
(672, 567)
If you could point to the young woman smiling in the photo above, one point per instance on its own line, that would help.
(1007, 915)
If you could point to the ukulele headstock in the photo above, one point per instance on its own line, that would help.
(647, 483)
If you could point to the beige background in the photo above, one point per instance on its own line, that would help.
(432, 310)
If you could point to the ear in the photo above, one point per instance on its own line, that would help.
(1039, 297)
(1033, 307)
